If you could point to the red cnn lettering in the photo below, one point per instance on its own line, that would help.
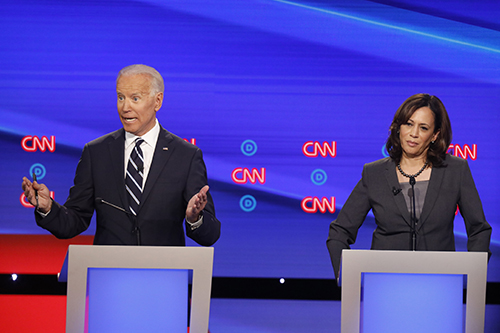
(192, 141)
(312, 204)
(464, 152)
(243, 175)
(32, 143)
(319, 149)
(27, 204)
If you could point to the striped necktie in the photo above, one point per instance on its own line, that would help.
(133, 179)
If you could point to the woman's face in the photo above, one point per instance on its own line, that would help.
(417, 133)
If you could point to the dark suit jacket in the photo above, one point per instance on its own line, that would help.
(176, 174)
(449, 186)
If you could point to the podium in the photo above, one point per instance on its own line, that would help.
(137, 288)
(412, 291)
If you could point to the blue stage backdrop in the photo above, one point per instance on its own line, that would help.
(287, 100)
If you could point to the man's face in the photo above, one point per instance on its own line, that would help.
(136, 105)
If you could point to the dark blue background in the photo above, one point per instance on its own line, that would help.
(280, 73)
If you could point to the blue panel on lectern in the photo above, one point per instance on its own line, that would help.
(408, 303)
(137, 300)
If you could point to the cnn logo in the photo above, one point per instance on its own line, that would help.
(33, 143)
(313, 204)
(27, 204)
(463, 152)
(192, 141)
(244, 175)
(315, 149)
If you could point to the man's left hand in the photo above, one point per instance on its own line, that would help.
(196, 205)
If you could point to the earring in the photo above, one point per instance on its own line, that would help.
(433, 141)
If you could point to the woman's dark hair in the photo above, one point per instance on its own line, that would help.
(437, 150)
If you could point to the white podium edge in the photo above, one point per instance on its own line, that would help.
(356, 262)
(80, 257)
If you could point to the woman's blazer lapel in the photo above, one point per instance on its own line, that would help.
(399, 199)
(432, 195)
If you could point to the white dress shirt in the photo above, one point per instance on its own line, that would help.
(148, 150)
(147, 147)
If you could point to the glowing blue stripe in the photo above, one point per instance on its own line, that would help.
(385, 25)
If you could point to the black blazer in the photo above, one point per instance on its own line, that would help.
(449, 186)
(177, 172)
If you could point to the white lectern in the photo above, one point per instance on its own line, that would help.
(412, 291)
(152, 273)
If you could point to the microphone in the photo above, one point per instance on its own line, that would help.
(101, 200)
(414, 221)
(396, 191)
(136, 229)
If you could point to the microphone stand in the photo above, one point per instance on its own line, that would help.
(136, 229)
(413, 216)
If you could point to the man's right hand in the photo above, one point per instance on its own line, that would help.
(44, 200)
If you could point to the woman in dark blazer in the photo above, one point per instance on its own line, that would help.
(420, 135)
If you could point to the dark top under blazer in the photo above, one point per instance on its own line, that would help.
(177, 173)
(449, 186)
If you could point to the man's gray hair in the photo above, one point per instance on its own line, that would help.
(156, 82)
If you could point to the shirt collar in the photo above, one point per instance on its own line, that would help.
(150, 137)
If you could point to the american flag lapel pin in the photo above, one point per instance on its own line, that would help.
(165, 148)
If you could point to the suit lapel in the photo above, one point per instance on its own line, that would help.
(116, 153)
(432, 194)
(162, 153)
(399, 199)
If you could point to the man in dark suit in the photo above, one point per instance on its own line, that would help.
(169, 173)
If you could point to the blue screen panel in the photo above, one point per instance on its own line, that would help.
(392, 302)
(137, 300)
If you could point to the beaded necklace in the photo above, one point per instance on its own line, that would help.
(412, 176)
